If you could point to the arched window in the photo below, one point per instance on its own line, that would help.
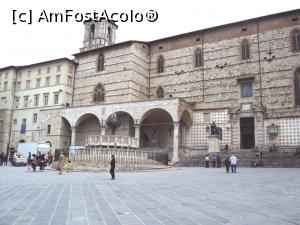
(160, 92)
(109, 35)
(198, 58)
(245, 49)
(100, 63)
(297, 86)
(160, 64)
(92, 31)
(99, 93)
(296, 40)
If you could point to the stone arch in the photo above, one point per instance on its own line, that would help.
(87, 124)
(185, 124)
(245, 49)
(160, 93)
(156, 129)
(124, 124)
(295, 40)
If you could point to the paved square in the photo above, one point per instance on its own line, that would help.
(181, 196)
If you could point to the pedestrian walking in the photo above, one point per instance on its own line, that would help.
(227, 164)
(207, 161)
(233, 162)
(1, 158)
(34, 162)
(214, 159)
(5, 159)
(61, 162)
(112, 167)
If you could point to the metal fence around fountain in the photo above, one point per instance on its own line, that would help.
(124, 156)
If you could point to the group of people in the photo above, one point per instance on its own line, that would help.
(229, 162)
(3, 159)
(40, 160)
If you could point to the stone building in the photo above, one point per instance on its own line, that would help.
(28, 89)
(244, 76)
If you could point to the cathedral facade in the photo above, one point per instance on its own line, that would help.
(244, 76)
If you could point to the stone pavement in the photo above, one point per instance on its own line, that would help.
(180, 196)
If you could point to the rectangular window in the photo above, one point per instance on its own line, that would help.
(246, 89)
(26, 101)
(6, 75)
(13, 136)
(46, 98)
(33, 137)
(36, 100)
(56, 98)
(39, 71)
(70, 80)
(17, 102)
(27, 84)
(70, 69)
(47, 81)
(48, 69)
(34, 119)
(58, 79)
(1, 125)
(15, 121)
(5, 86)
(19, 85)
(23, 126)
(38, 83)
(58, 68)
(29, 73)
(48, 129)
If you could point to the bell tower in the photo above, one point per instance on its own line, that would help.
(98, 34)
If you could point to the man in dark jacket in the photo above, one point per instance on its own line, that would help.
(112, 167)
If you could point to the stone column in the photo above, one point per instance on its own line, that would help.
(137, 133)
(175, 157)
(103, 129)
(73, 136)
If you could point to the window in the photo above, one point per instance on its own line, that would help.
(33, 136)
(198, 58)
(57, 79)
(70, 80)
(47, 81)
(58, 68)
(297, 86)
(17, 102)
(246, 89)
(26, 103)
(109, 35)
(23, 126)
(70, 69)
(34, 118)
(39, 71)
(36, 100)
(92, 31)
(19, 85)
(100, 65)
(15, 121)
(1, 125)
(245, 49)
(29, 73)
(99, 93)
(5, 86)
(48, 129)
(296, 40)
(160, 64)
(13, 136)
(160, 92)
(20, 74)
(46, 99)
(38, 83)
(27, 84)
(56, 98)
(6, 75)
(48, 69)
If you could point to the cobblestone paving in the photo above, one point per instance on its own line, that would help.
(184, 196)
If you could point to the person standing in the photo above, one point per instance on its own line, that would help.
(227, 164)
(207, 161)
(214, 159)
(226, 148)
(112, 167)
(233, 162)
(61, 162)
(1, 158)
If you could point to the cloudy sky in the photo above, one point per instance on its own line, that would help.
(23, 44)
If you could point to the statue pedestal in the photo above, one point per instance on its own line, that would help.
(213, 143)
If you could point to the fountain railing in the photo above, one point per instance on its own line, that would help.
(112, 141)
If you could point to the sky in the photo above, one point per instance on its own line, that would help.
(22, 44)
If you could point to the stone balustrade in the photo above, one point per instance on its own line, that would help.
(112, 141)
